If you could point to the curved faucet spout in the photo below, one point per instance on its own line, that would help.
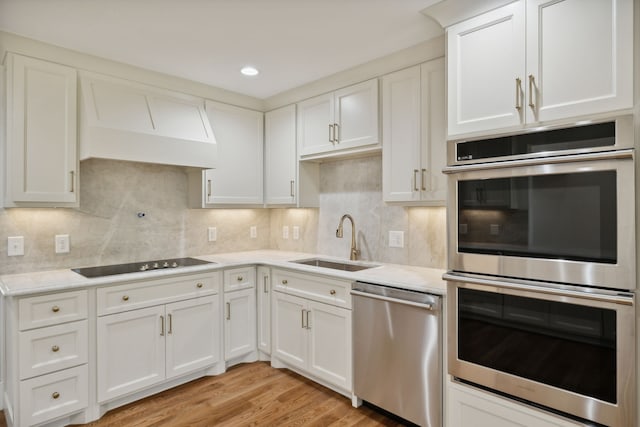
(340, 234)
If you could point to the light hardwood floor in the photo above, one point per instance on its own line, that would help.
(246, 395)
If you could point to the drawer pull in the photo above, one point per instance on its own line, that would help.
(239, 279)
(55, 395)
(284, 281)
(199, 285)
(228, 311)
(125, 298)
(55, 348)
(55, 309)
(332, 291)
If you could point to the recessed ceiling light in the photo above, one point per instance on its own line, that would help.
(249, 71)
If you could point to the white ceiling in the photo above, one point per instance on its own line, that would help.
(292, 42)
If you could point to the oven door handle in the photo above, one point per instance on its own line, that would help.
(605, 155)
(430, 307)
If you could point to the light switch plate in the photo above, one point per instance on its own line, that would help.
(212, 233)
(15, 246)
(396, 239)
(253, 232)
(285, 231)
(296, 232)
(62, 243)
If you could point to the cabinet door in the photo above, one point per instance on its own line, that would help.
(240, 323)
(485, 57)
(280, 156)
(239, 136)
(193, 335)
(579, 54)
(330, 344)
(356, 115)
(289, 334)
(315, 125)
(42, 161)
(401, 118)
(263, 290)
(433, 183)
(471, 407)
(131, 351)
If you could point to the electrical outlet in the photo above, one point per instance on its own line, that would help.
(285, 231)
(396, 239)
(212, 233)
(62, 243)
(296, 232)
(253, 232)
(15, 246)
(494, 229)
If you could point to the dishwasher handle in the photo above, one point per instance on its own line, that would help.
(427, 306)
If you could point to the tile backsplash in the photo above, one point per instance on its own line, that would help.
(107, 229)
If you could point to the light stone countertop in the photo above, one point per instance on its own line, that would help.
(401, 276)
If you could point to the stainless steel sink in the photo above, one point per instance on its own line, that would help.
(335, 265)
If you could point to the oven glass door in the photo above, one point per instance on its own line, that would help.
(568, 346)
(569, 221)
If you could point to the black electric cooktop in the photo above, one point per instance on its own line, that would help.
(110, 270)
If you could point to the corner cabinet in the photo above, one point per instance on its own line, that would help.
(311, 327)
(469, 406)
(413, 140)
(346, 119)
(516, 65)
(237, 180)
(41, 155)
(280, 157)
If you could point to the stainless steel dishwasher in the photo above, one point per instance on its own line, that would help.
(397, 360)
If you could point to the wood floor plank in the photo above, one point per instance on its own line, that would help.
(252, 394)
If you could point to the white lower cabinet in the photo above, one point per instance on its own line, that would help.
(468, 406)
(140, 348)
(240, 315)
(313, 337)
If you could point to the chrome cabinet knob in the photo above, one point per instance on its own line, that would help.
(239, 278)
(55, 395)
(199, 285)
(332, 291)
(125, 298)
(55, 309)
(55, 348)
(284, 281)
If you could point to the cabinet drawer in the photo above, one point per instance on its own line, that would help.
(52, 349)
(50, 396)
(52, 309)
(115, 299)
(239, 278)
(318, 288)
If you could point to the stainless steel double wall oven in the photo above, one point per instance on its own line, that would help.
(542, 262)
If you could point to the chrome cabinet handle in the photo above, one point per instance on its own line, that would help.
(308, 325)
(265, 287)
(336, 130)
(415, 180)
(161, 326)
(422, 183)
(228, 311)
(199, 285)
(125, 298)
(531, 87)
(55, 348)
(55, 395)
(291, 186)
(518, 92)
(331, 133)
(302, 321)
(73, 181)
(55, 309)
(170, 324)
(208, 188)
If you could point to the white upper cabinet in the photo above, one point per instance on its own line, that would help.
(413, 141)
(237, 179)
(125, 120)
(280, 156)
(42, 160)
(538, 60)
(346, 119)
(579, 57)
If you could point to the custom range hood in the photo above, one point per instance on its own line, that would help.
(125, 120)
